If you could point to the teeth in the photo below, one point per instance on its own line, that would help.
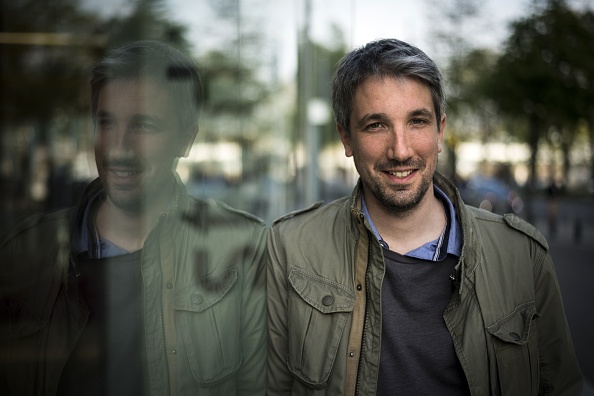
(124, 173)
(401, 174)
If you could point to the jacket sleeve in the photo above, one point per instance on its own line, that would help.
(251, 379)
(559, 370)
(280, 379)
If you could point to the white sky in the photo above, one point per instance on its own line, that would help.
(361, 20)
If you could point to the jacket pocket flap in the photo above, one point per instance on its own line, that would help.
(321, 293)
(205, 292)
(515, 327)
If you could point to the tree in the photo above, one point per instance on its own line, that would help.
(541, 78)
(470, 111)
(147, 21)
(454, 22)
(46, 49)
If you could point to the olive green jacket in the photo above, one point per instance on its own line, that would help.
(325, 273)
(203, 294)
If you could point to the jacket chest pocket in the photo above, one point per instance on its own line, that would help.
(318, 312)
(208, 322)
(515, 341)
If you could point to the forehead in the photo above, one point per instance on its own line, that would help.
(391, 95)
(140, 96)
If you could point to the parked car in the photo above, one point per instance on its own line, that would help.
(492, 194)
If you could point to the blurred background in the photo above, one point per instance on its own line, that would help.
(520, 134)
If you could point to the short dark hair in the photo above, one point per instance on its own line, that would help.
(387, 57)
(166, 65)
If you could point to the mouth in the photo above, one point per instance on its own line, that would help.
(123, 174)
(400, 174)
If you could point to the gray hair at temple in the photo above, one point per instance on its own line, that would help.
(166, 65)
(384, 58)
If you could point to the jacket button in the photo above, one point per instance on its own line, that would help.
(515, 336)
(197, 299)
(327, 300)
(359, 287)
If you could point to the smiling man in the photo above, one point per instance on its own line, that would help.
(139, 289)
(402, 289)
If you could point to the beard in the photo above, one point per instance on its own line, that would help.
(139, 192)
(129, 201)
(398, 199)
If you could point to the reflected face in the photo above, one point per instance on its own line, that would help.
(136, 142)
(395, 140)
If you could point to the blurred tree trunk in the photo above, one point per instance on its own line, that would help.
(534, 129)
(567, 137)
(591, 136)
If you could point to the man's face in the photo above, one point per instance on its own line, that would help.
(136, 142)
(395, 140)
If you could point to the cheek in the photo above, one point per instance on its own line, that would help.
(160, 150)
(370, 148)
(428, 146)
(100, 144)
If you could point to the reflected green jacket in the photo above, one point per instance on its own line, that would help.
(325, 273)
(204, 301)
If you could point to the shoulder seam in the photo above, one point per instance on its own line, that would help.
(298, 212)
(526, 228)
(32, 221)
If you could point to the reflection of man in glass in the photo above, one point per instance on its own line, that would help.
(140, 288)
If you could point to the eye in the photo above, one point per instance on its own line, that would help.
(146, 127)
(374, 126)
(419, 121)
(105, 123)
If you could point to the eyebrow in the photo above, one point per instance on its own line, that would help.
(423, 112)
(136, 118)
(150, 118)
(101, 113)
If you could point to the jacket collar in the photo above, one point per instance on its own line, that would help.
(180, 196)
(470, 242)
(179, 199)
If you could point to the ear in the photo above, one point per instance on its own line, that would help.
(186, 142)
(442, 126)
(345, 138)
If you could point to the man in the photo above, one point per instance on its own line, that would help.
(402, 289)
(140, 289)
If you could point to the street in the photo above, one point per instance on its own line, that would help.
(572, 249)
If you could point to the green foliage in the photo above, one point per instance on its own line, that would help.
(147, 21)
(545, 77)
(231, 88)
(323, 58)
(545, 71)
(38, 77)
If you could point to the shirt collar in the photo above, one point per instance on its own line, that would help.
(433, 251)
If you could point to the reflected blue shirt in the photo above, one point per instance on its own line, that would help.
(89, 239)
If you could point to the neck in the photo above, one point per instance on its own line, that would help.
(125, 228)
(411, 229)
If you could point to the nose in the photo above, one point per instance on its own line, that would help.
(399, 147)
(117, 141)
